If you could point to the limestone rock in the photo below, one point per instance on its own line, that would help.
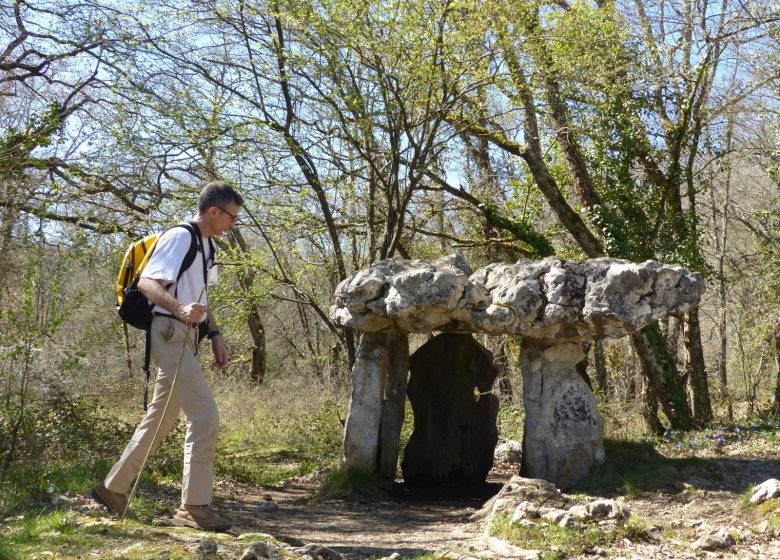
(569, 522)
(563, 434)
(252, 536)
(579, 511)
(260, 550)
(607, 509)
(549, 299)
(714, 540)
(767, 490)
(537, 492)
(503, 549)
(524, 510)
(267, 506)
(553, 515)
(205, 548)
(508, 451)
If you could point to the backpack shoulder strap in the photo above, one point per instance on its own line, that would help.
(213, 251)
(189, 257)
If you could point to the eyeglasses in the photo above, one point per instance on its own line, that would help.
(232, 216)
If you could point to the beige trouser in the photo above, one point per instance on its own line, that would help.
(192, 395)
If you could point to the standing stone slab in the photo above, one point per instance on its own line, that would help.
(563, 436)
(361, 431)
(393, 404)
(455, 414)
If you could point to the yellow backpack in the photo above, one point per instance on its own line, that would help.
(131, 304)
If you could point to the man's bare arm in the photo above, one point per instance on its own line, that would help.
(155, 291)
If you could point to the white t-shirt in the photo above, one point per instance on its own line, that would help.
(166, 260)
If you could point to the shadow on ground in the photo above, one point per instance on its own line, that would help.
(632, 468)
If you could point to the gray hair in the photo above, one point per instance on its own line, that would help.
(220, 194)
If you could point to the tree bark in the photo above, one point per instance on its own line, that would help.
(663, 378)
(696, 371)
(776, 347)
(246, 279)
(600, 364)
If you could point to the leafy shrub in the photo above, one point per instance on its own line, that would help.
(53, 437)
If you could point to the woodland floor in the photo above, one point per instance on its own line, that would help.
(708, 494)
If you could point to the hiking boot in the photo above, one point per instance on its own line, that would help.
(116, 503)
(200, 517)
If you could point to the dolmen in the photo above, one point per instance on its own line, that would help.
(554, 305)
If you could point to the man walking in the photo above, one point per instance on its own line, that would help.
(177, 306)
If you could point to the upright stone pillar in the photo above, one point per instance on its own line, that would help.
(564, 434)
(393, 404)
(361, 431)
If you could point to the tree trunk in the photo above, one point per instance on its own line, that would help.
(650, 408)
(246, 280)
(663, 378)
(257, 330)
(696, 371)
(776, 347)
(600, 364)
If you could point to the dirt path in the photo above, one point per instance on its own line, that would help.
(363, 529)
(705, 497)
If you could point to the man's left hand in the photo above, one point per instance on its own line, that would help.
(220, 352)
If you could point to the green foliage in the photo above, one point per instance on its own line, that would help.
(17, 146)
(273, 446)
(558, 542)
(7, 551)
(510, 421)
(62, 444)
(47, 530)
(539, 245)
(768, 510)
(352, 484)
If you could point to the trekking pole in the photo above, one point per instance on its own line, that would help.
(190, 326)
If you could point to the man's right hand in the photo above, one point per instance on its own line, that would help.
(191, 313)
(155, 292)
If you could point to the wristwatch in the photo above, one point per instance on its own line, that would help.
(213, 333)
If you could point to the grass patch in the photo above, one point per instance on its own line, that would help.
(268, 443)
(60, 534)
(55, 531)
(768, 510)
(6, 552)
(633, 468)
(557, 543)
(750, 438)
(352, 484)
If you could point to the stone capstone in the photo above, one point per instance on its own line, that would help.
(455, 412)
(547, 299)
